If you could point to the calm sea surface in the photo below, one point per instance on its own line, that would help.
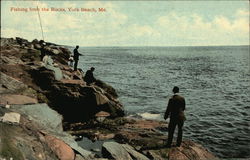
(214, 80)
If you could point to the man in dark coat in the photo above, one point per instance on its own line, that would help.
(89, 76)
(76, 57)
(175, 108)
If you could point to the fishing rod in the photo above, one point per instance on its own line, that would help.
(38, 12)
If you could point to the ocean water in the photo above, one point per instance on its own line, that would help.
(215, 82)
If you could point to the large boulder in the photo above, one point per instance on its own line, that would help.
(49, 124)
(10, 60)
(107, 88)
(38, 134)
(19, 142)
(133, 153)
(35, 41)
(75, 101)
(37, 46)
(60, 54)
(10, 85)
(143, 134)
(7, 41)
(31, 55)
(22, 41)
(16, 99)
(190, 151)
(17, 80)
(62, 150)
(41, 114)
(113, 150)
(65, 53)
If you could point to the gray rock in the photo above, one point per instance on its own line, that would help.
(22, 41)
(37, 46)
(7, 41)
(101, 98)
(115, 150)
(190, 150)
(52, 50)
(30, 54)
(95, 150)
(55, 51)
(18, 142)
(10, 60)
(41, 114)
(10, 85)
(50, 121)
(35, 41)
(155, 155)
(79, 157)
(16, 99)
(11, 117)
(133, 153)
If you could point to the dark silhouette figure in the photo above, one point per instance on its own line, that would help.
(76, 57)
(89, 76)
(42, 50)
(175, 108)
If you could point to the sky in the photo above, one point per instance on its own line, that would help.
(129, 23)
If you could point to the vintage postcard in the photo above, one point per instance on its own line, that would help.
(124, 80)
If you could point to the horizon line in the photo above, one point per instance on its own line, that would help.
(171, 46)
(224, 45)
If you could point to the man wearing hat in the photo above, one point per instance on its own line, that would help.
(76, 57)
(89, 76)
(175, 108)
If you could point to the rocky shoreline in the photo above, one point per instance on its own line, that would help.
(46, 108)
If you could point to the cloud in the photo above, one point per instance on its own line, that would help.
(114, 27)
(67, 24)
(195, 27)
(239, 25)
(142, 30)
(243, 12)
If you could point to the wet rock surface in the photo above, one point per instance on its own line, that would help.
(146, 137)
(55, 107)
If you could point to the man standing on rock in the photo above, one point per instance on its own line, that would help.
(175, 108)
(76, 57)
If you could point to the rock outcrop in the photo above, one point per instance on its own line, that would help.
(113, 150)
(134, 136)
(39, 101)
(38, 134)
(53, 81)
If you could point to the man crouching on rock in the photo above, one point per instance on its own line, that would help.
(89, 76)
(176, 107)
